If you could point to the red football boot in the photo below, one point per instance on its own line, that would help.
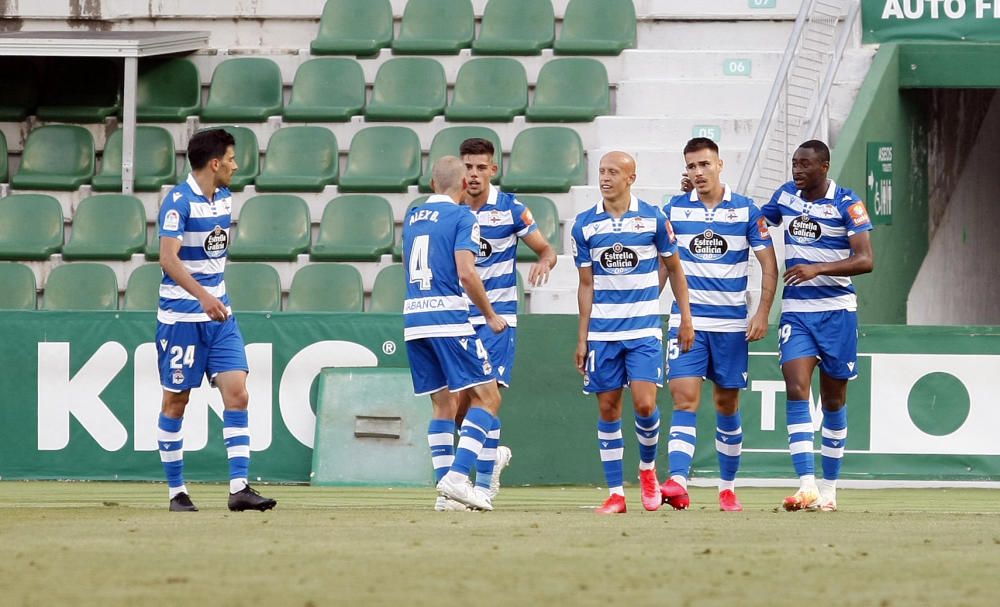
(650, 487)
(615, 504)
(675, 495)
(728, 502)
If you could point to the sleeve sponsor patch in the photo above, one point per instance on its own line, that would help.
(475, 233)
(670, 231)
(527, 217)
(762, 228)
(858, 213)
(171, 221)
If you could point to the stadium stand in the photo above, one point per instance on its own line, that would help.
(81, 286)
(515, 27)
(18, 292)
(80, 89)
(168, 90)
(571, 89)
(354, 27)
(597, 27)
(143, 290)
(154, 164)
(253, 287)
(389, 291)
(271, 227)
(408, 88)
(545, 159)
(244, 89)
(56, 157)
(31, 227)
(432, 27)
(107, 226)
(382, 159)
(327, 287)
(299, 159)
(489, 89)
(328, 90)
(446, 143)
(355, 227)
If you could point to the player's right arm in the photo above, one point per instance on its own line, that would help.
(585, 302)
(465, 261)
(173, 217)
(771, 211)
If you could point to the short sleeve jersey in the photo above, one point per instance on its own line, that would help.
(435, 304)
(817, 232)
(624, 256)
(202, 226)
(714, 249)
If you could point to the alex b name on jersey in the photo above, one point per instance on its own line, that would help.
(708, 246)
(619, 259)
(424, 215)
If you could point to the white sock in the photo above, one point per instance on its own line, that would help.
(175, 490)
(617, 491)
(827, 488)
(237, 484)
(724, 485)
(680, 480)
(807, 482)
(647, 465)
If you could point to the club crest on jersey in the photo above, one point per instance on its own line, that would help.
(638, 225)
(178, 377)
(619, 259)
(731, 215)
(708, 246)
(487, 367)
(804, 230)
(495, 218)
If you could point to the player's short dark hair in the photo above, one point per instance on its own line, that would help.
(476, 146)
(819, 147)
(207, 145)
(701, 143)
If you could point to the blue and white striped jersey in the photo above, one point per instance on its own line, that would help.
(202, 226)
(818, 232)
(624, 255)
(715, 253)
(502, 220)
(435, 304)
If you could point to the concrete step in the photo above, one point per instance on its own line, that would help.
(723, 34)
(723, 98)
(737, 64)
(626, 132)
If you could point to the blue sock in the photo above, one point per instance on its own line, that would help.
(680, 449)
(441, 438)
(236, 434)
(834, 441)
(478, 423)
(609, 441)
(800, 436)
(171, 443)
(488, 456)
(647, 430)
(729, 446)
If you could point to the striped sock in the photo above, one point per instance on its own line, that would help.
(833, 442)
(680, 449)
(236, 434)
(800, 437)
(171, 442)
(441, 438)
(488, 456)
(729, 445)
(612, 446)
(647, 430)
(476, 426)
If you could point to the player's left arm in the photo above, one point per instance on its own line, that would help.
(861, 260)
(760, 240)
(539, 273)
(670, 262)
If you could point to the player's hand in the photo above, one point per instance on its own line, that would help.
(581, 357)
(214, 308)
(685, 334)
(497, 323)
(539, 274)
(757, 329)
(800, 273)
(686, 184)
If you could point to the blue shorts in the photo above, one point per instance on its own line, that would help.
(832, 337)
(500, 347)
(721, 356)
(612, 365)
(455, 363)
(189, 351)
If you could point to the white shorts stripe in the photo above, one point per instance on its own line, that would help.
(470, 444)
(727, 449)
(169, 437)
(800, 447)
(610, 455)
(650, 428)
(231, 432)
(681, 445)
(609, 435)
(690, 430)
(729, 432)
(647, 442)
(172, 456)
(238, 451)
(834, 452)
(442, 461)
(799, 428)
(440, 438)
(835, 434)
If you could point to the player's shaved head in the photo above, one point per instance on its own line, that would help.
(448, 176)
(624, 162)
(616, 175)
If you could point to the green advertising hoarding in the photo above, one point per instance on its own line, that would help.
(968, 20)
(878, 183)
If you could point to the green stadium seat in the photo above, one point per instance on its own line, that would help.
(597, 27)
(56, 157)
(435, 27)
(244, 89)
(80, 89)
(545, 159)
(355, 227)
(571, 89)
(154, 163)
(547, 218)
(397, 249)
(31, 227)
(19, 93)
(168, 90)
(299, 159)
(18, 292)
(253, 287)
(354, 27)
(489, 89)
(107, 226)
(516, 27)
(382, 159)
(326, 287)
(271, 227)
(143, 290)
(408, 88)
(389, 290)
(4, 166)
(153, 247)
(326, 90)
(81, 286)
(446, 143)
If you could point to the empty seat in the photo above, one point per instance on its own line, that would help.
(389, 290)
(545, 159)
(408, 88)
(446, 143)
(354, 27)
(271, 227)
(154, 161)
(326, 287)
(143, 290)
(382, 159)
(80, 89)
(18, 292)
(516, 27)
(4, 167)
(397, 248)
(546, 218)
(253, 287)
(326, 90)
(571, 89)
(107, 226)
(597, 27)
(56, 157)
(31, 226)
(489, 89)
(244, 89)
(435, 27)
(299, 159)
(168, 90)
(355, 227)
(81, 286)
(19, 93)
(153, 247)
